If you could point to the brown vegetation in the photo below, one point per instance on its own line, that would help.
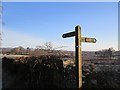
(48, 72)
(33, 72)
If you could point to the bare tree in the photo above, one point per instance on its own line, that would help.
(48, 48)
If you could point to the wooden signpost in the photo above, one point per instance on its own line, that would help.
(78, 51)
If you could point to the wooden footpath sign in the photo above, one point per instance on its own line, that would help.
(78, 52)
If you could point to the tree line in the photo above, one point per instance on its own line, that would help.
(46, 49)
(105, 53)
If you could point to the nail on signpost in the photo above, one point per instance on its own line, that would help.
(78, 50)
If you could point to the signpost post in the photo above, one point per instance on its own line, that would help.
(78, 50)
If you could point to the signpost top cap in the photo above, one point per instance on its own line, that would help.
(78, 26)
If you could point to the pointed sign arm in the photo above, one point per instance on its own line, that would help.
(70, 34)
(89, 40)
